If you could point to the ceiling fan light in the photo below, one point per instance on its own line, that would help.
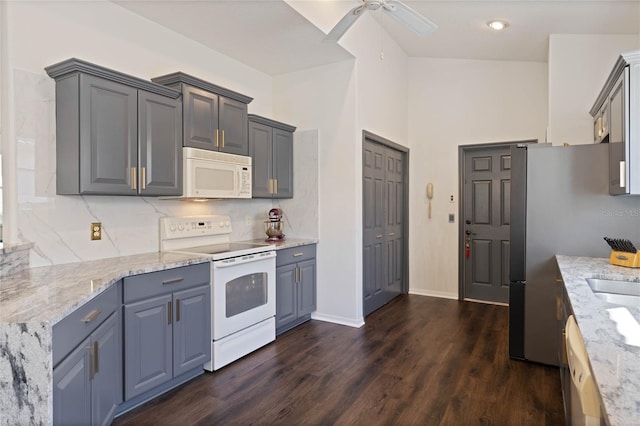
(497, 25)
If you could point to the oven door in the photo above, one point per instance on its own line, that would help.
(243, 292)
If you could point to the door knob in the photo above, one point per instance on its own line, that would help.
(469, 232)
(468, 222)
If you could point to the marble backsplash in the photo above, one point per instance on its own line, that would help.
(58, 226)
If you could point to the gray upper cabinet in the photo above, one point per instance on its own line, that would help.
(616, 122)
(115, 134)
(214, 118)
(271, 150)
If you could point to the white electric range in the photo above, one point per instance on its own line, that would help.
(243, 279)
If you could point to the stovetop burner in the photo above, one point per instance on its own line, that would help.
(206, 235)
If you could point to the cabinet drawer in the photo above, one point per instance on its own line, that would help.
(167, 281)
(295, 254)
(76, 326)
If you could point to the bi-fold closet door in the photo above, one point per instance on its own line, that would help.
(383, 239)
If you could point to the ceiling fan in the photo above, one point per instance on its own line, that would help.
(396, 9)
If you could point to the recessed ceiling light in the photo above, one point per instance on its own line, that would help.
(497, 25)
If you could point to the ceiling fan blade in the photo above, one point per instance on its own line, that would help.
(409, 17)
(345, 23)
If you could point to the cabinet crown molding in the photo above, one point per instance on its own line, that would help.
(176, 78)
(625, 59)
(272, 123)
(70, 66)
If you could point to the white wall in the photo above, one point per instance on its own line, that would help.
(451, 103)
(42, 33)
(342, 100)
(578, 68)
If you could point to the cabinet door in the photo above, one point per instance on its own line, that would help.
(106, 386)
(261, 152)
(72, 389)
(307, 287)
(286, 295)
(147, 344)
(191, 329)
(617, 139)
(200, 113)
(108, 136)
(233, 122)
(283, 163)
(160, 127)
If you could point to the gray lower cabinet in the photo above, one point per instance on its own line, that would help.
(87, 383)
(167, 326)
(271, 150)
(295, 286)
(214, 118)
(115, 134)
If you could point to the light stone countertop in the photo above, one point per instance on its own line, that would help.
(287, 243)
(615, 363)
(49, 293)
(32, 301)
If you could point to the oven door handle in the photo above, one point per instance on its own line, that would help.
(249, 258)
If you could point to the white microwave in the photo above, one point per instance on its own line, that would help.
(212, 174)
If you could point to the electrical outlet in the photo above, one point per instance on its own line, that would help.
(247, 220)
(96, 231)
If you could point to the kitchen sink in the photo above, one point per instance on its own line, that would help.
(616, 291)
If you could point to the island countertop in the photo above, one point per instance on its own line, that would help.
(32, 301)
(615, 361)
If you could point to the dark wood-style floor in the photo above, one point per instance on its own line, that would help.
(418, 360)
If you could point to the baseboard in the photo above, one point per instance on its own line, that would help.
(338, 320)
(431, 293)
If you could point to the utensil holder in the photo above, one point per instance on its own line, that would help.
(623, 258)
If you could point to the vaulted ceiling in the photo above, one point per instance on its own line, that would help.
(271, 36)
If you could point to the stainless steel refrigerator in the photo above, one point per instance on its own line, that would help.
(560, 204)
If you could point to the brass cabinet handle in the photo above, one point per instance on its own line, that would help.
(297, 254)
(96, 357)
(134, 178)
(216, 138)
(143, 178)
(177, 310)
(275, 191)
(169, 312)
(223, 138)
(391, 234)
(172, 281)
(91, 316)
(271, 186)
(379, 236)
(92, 355)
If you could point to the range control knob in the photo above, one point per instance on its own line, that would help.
(172, 227)
(221, 224)
(180, 227)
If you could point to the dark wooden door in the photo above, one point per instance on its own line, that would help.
(486, 198)
(374, 226)
(394, 220)
(383, 239)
